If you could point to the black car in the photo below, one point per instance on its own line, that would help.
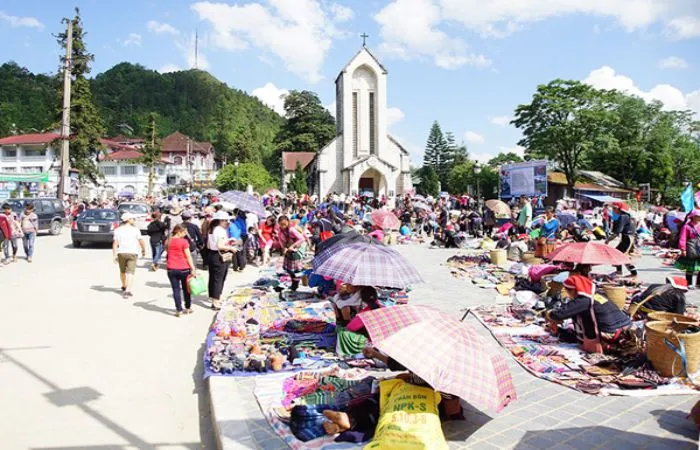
(94, 225)
(50, 211)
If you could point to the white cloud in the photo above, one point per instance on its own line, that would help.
(474, 138)
(416, 151)
(500, 120)
(672, 97)
(499, 18)
(15, 21)
(299, 32)
(133, 39)
(394, 116)
(672, 62)
(272, 96)
(169, 68)
(409, 29)
(518, 150)
(341, 13)
(160, 27)
(683, 28)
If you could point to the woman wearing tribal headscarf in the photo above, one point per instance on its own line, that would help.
(597, 320)
(668, 297)
(689, 245)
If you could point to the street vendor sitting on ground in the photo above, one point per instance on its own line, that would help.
(669, 297)
(518, 248)
(596, 319)
(352, 336)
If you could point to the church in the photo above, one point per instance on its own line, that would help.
(362, 158)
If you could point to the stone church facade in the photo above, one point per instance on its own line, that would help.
(363, 158)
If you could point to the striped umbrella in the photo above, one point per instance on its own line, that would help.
(449, 355)
(367, 264)
(244, 201)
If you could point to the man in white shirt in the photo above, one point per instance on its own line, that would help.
(125, 250)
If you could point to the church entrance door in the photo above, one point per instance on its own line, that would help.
(372, 182)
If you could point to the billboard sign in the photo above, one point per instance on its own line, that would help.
(526, 178)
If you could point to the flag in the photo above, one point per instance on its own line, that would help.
(687, 198)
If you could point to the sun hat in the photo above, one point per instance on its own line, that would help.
(127, 216)
(222, 215)
(175, 210)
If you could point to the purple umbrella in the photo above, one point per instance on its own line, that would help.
(369, 264)
(244, 201)
(671, 220)
(565, 218)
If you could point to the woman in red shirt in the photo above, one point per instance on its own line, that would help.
(267, 237)
(180, 266)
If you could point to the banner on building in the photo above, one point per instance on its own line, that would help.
(526, 178)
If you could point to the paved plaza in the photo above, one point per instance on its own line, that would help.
(84, 368)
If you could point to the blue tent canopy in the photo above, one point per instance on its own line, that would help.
(602, 198)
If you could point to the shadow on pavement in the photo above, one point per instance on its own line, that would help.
(155, 284)
(676, 422)
(80, 397)
(461, 430)
(150, 306)
(206, 430)
(102, 288)
(597, 436)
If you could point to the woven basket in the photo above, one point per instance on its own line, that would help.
(665, 360)
(670, 317)
(616, 294)
(499, 257)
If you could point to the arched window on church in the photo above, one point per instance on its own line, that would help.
(372, 130)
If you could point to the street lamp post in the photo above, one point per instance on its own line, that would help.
(235, 174)
(477, 171)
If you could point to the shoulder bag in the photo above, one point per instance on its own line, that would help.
(692, 246)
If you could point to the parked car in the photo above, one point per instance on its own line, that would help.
(94, 225)
(50, 211)
(142, 212)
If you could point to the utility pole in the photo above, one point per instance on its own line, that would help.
(65, 117)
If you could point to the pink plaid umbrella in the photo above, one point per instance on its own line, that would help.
(448, 354)
(592, 253)
(369, 264)
(386, 220)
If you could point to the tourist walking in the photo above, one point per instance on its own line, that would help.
(156, 231)
(125, 250)
(12, 232)
(220, 256)
(268, 235)
(525, 215)
(180, 267)
(193, 235)
(624, 227)
(293, 245)
(689, 239)
(29, 222)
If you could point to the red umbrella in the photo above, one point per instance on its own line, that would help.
(386, 220)
(591, 253)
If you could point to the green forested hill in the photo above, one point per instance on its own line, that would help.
(193, 102)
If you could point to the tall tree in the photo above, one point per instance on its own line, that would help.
(564, 121)
(505, 158)
(151, 150)
(430, 183)
(434, 147)
(298, 182)
(309, 125)
(87, 127)
(242, 175)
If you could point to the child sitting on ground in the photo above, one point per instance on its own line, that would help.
(252, 247)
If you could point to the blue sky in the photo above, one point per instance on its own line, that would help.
(465, 63)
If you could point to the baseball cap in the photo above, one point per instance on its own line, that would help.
(222, 215)
(127, 216)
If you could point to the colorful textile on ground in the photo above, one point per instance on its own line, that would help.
(349, 343)
(475, 265)
(522, 333)
(255, 332)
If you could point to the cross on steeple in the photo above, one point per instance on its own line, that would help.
(364, 37)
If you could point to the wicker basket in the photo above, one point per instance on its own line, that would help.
(670, 317)
(665, 360)
(616, 294)
(499, 257)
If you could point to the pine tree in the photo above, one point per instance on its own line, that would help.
(151, 150)
(434, 147)
(298, 181)
(447, 154)
(86, 123)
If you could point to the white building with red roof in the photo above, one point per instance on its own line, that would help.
(31, 154)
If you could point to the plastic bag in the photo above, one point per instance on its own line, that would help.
(196, 285)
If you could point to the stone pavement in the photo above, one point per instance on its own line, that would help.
(545, 416)
(80, 367)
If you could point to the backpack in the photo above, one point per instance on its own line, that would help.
(190, 240)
